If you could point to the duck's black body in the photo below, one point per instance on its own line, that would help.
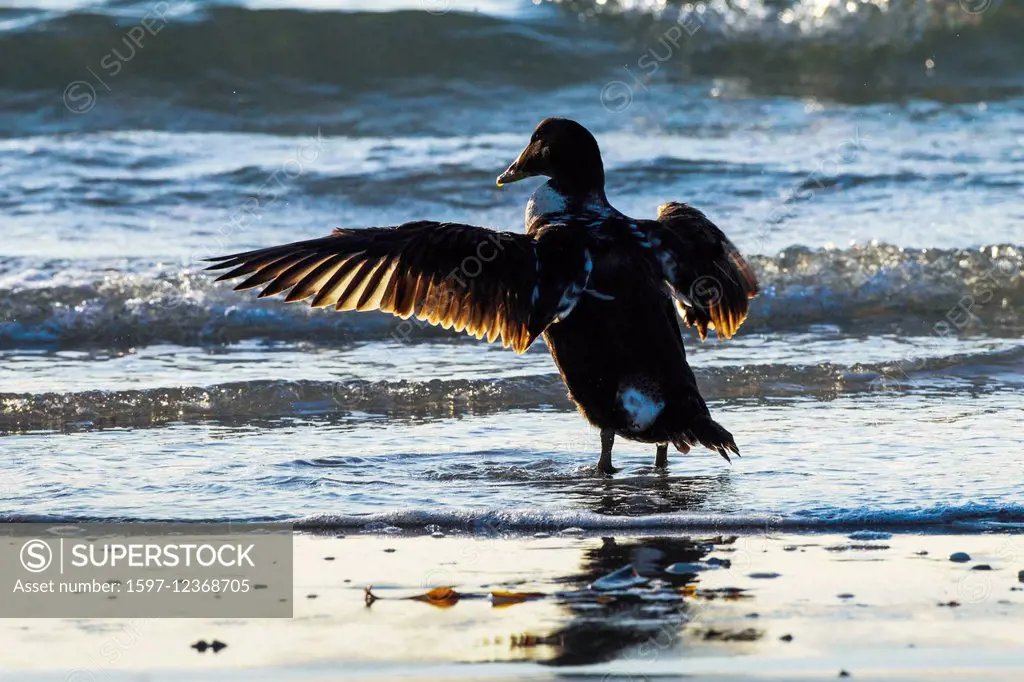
(603, 289)
(628, 352)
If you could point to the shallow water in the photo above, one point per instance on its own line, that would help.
(868, 155)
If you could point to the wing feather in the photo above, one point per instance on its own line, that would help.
(355, 285)
(709, 278)
(416, 269)
(315, 280)
(246, 267)
(331, 291)
(293, 274)
(268, 273)
(373, 294)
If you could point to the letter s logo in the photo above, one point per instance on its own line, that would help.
(36, 556)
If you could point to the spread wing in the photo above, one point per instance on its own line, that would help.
(458, 276)
(710, 280)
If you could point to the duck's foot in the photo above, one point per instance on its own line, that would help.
(604, 465)
(661, 457)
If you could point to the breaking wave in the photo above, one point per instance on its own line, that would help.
(498, 523)
(130, 304)
(439, 398)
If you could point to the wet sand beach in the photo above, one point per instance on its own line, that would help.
(579, 606)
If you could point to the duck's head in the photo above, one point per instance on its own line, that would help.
(564, 151)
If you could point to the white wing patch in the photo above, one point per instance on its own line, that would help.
(642, 409)
(573, 292)
(650, 241)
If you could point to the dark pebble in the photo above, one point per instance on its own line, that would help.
(748, 635)
(389, 550)
(1020, 576)
(764, 576)
(862, 547)
(311, 596)
(981, 567)
(200, 646)
(950, 604)
(922, 553)
(217, 645)
(845, 595)
(843, 673)
(786, 638)
(328, 558)
(960, 557)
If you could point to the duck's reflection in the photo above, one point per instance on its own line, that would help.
(637, 593)
(649, 493)
(631, 598)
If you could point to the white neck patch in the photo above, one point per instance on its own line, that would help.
(548, 203)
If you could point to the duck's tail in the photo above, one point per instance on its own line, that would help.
(708, 433)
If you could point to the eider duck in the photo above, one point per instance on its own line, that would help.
(603, 289)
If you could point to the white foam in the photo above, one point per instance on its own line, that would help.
(969, 517)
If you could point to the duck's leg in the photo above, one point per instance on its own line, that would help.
(604, 465)
(661, 457)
